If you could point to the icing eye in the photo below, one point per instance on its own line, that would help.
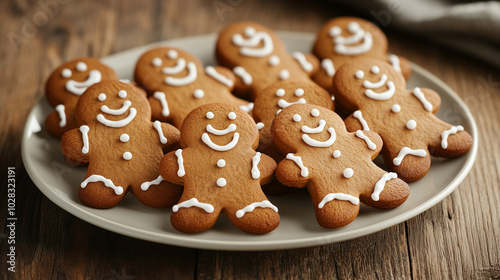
(172, 54)
(335, 31)
(360, 74)
(157, 62)
(274, 60)
(297, 118)
(210, 115)
(66, 73)
(299, 92)
(122, 94)
(231, 115)
(249, 31)
(198, 93)
(280, 92)
(101, 97)
(81, 66)
(353, 27)
(375, 70)
(314, 112)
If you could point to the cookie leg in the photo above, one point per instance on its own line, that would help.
(452, 141)
(99, 192)
(410, 163)
(384, 190)
(156, 194)
(258, 217)
(193, 216)
(335, 209)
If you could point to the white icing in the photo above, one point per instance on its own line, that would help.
(62, 115)
(107, 182)
(81, 66)
(361, 39)
(375, 69)
(198, 93)
(126, 105)
(255, 168)
(446, 133)
(179, 67)
(359, 74)
(247, 108)
(380, 185)
(165, 111)
(278, 112)
(120, 123)
(304, 172)
(221, 163)
(127, 156)
(411, 124)
(145, 186)
(180, 161)
(301, 59)
(394, 60)
(336, 154)
(348, 173)
(84, 129)
(297, 118)
(66, 73)
(157, 62)
(314, 112)
(231, 115)
(380, 83)
(248, 46)
(243, 74)
(210, 115)
(408, 151)
(396, 108)
(280, 92)
(122, 94)
(193, 202)
(284, 74)
(321, 144)
(263, 204)
(283, 103)
(318, 129)
(260, 125)
(218, 76)
(420, 96)
(124, 138)
(339, 196)
(358, 115)
(189, 78)
(369, 142)
(299, 92)
(274, 60)
(334, 31)
(382, 95)
(230, 128)
(79, 87)
(101, 97)
(206, 139)
(221, 182)
(327, 65)
(172, 54)
(157, 125)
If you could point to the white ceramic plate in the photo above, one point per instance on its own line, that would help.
(44, 162)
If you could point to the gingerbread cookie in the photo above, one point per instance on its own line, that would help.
(122, 146)
(336, 166)
(221, 172)
(379, 100)
(344, 39)
(178, 83)
(259, 58)
(65, 86)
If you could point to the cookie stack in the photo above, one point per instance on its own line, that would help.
(206, 140)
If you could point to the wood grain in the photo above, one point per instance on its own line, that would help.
(457, 239)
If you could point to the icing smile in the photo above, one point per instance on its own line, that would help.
(181, 65)
(117, 112)
(79, 87)
(318, 129)
(362, 40)
(283, 103)
(248, 45)
(206, 139)
(229, 129)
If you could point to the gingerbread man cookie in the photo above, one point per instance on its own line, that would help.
(379, 100)
(336, 166)
(221, 172)
(259, 58)
(178, 83)
(122, 146)
(65, 86)
(344, 39)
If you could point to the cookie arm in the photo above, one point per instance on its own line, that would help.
(172, 135)
(267, 167)
(226, 73)
(290, 174)
(373, 137)
(172, 167)
(72, 145)
(433, 97)
(313, 60)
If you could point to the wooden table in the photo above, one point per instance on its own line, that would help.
(457, 238)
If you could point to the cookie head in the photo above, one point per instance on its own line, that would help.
(307, 127)
(220, 128)
(113, 104)
(367, 80)
(70, 80)
(170, 67)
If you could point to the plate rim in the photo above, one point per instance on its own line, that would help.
(79, 211)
